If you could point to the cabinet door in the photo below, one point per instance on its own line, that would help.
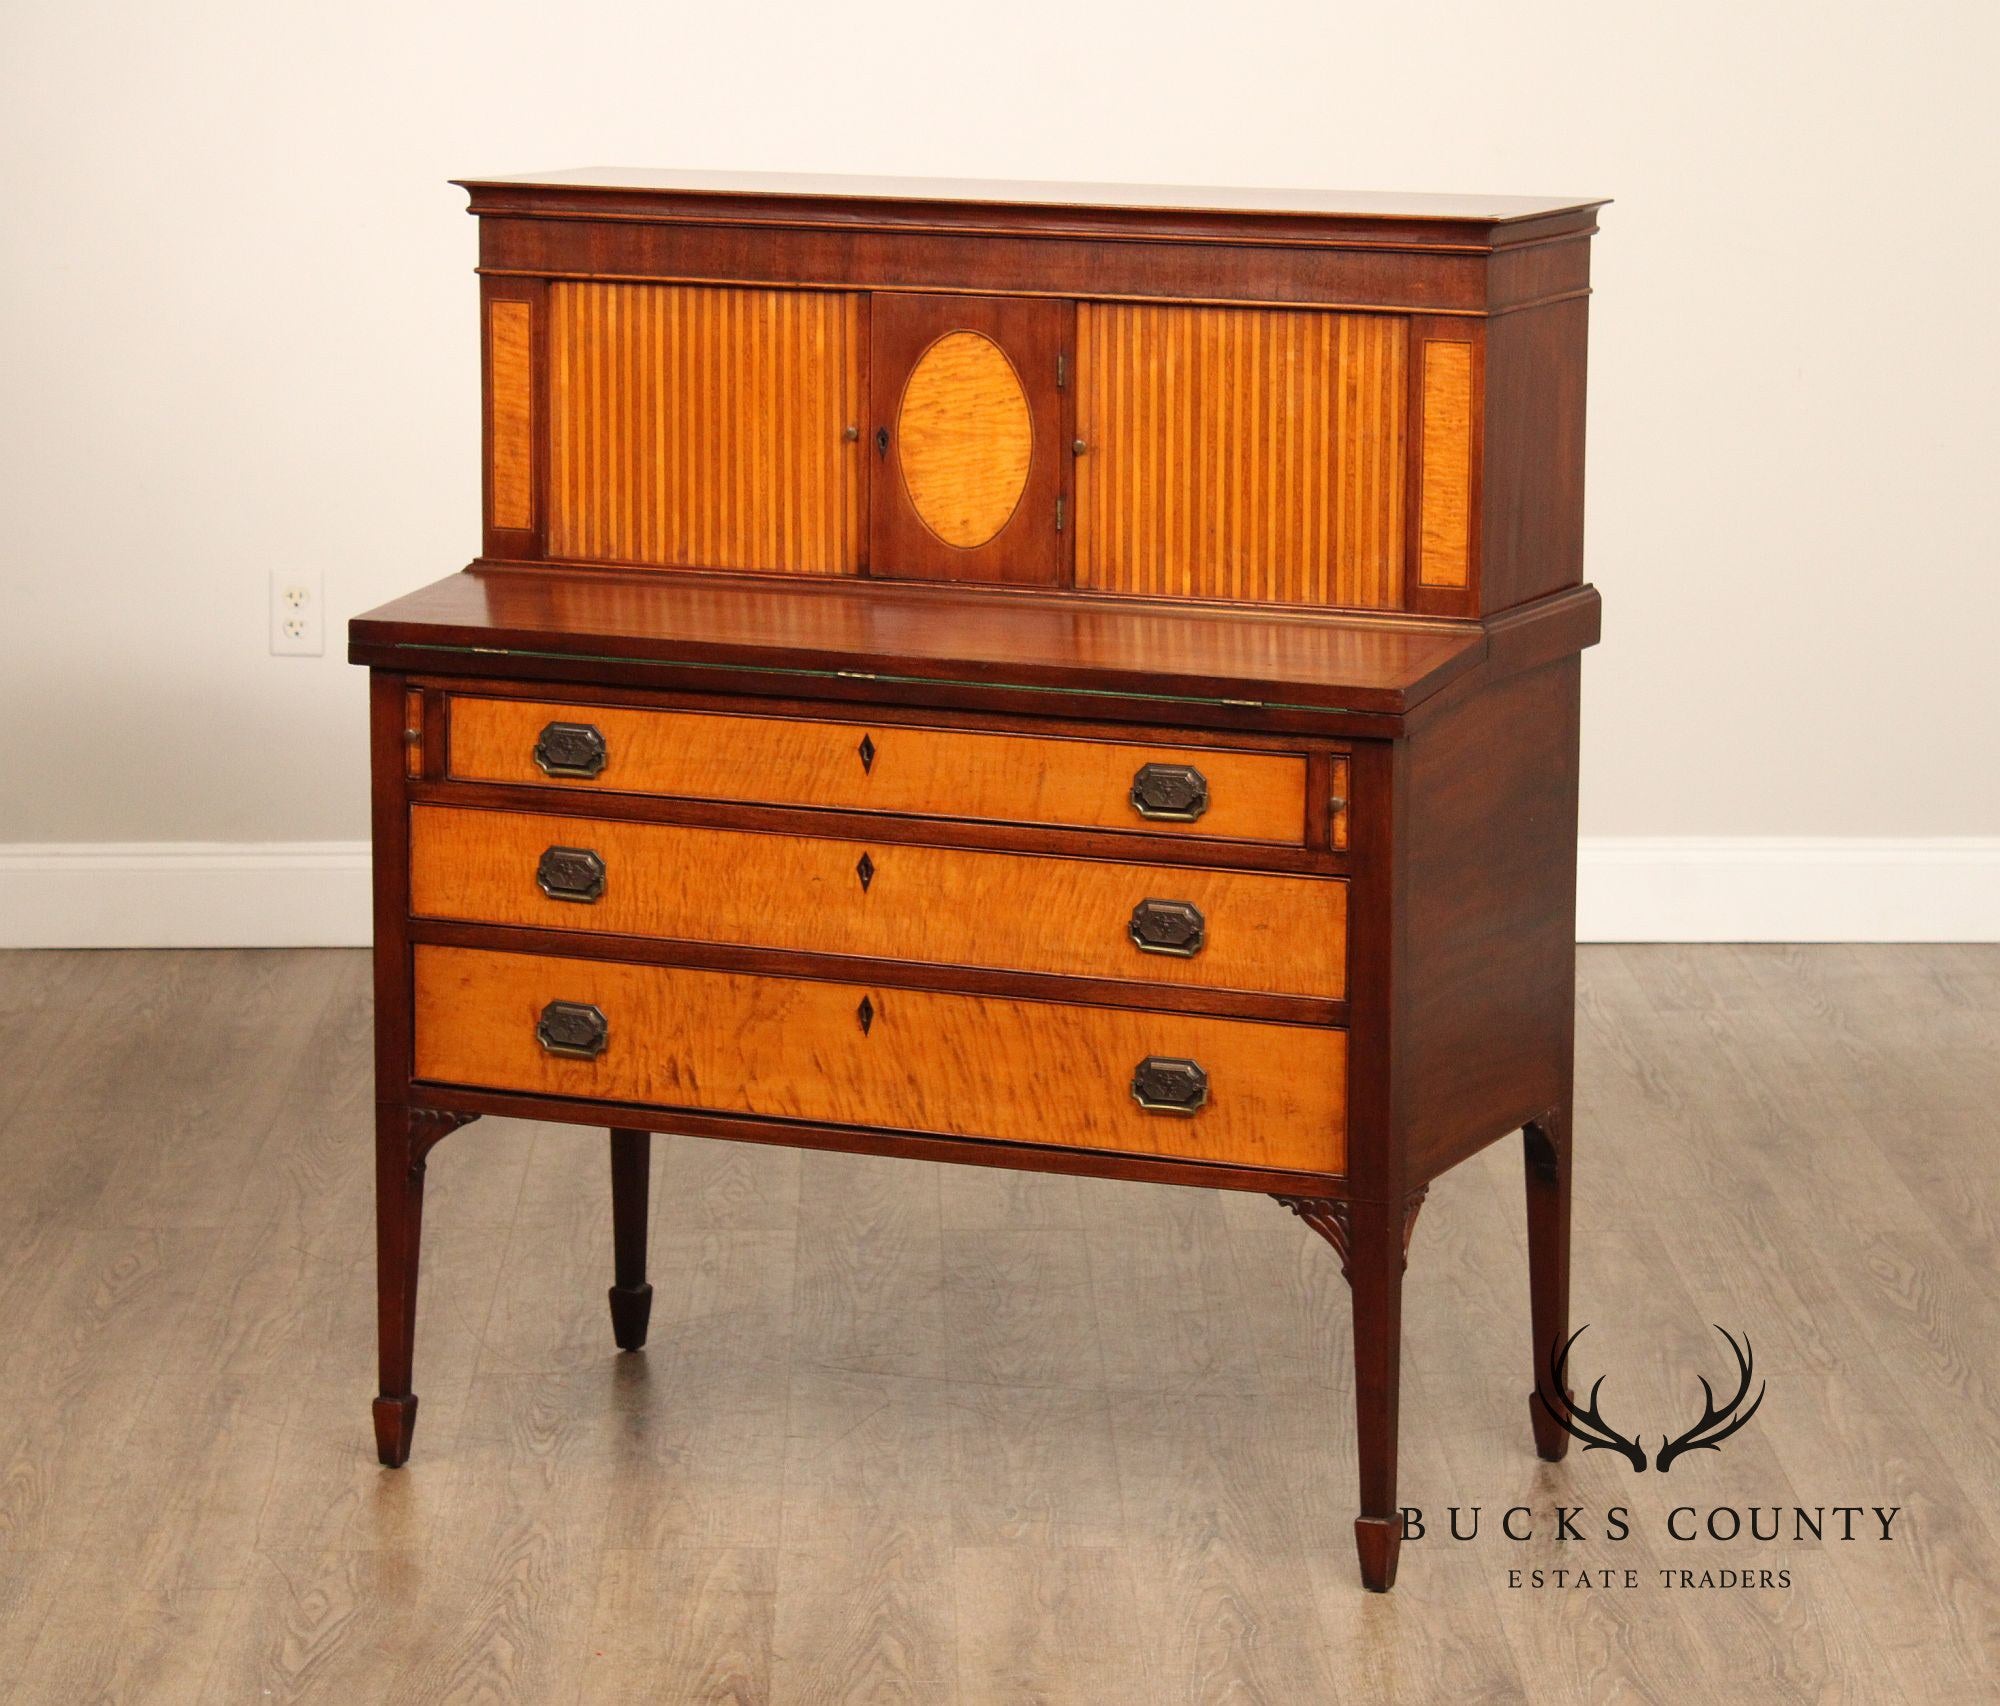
(707, 428)
(971, 456)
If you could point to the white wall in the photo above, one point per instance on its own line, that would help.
(239, 331)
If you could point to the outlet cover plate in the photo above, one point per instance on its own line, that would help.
(298, 614)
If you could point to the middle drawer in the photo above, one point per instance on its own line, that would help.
(1166, 924)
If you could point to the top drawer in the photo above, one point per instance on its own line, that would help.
(881, 767)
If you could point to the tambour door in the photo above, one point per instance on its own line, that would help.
(969, 446)
(701, 427)
(1242, 453)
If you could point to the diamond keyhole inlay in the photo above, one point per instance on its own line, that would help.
(867, 751)
(866, 1014)
(865, 869)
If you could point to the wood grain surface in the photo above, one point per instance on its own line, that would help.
(1023, 912)
(957, 1435)
(511, 394)
(956, 773)
(707, 428)
(959, 635)
(1237, 453)
(917, 1060)
(1445, 519)
(937, 1434)
(965, 438)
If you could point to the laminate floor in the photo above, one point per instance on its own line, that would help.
(947, 1435)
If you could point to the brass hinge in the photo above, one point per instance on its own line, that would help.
(1060, 377)
(1059, 507)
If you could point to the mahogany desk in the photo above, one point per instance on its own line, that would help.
(1064, 678)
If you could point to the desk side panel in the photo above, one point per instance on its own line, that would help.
(1487, 980)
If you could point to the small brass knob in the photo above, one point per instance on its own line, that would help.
(851, 434)
(1077, 447)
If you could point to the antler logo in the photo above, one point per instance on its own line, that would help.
(1587, 1423)
(1699, 1437)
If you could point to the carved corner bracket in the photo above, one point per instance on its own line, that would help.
(428, 1128)
(1332, 1219)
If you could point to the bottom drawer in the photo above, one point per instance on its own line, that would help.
(902, 1059)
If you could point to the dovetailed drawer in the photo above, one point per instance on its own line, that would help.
(883, 767)
(1188, 927)
(851, 1053)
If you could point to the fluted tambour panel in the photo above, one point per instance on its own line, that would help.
(705, 428)
(1238, 453)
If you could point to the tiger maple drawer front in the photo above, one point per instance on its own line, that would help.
(1208, 929)
(885, 767)
(1239, 1091)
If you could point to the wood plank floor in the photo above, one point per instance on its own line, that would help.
(944, 1435)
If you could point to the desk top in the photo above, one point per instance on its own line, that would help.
(950, 635)
(1027, 193)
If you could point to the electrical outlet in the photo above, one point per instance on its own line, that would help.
(298, 614)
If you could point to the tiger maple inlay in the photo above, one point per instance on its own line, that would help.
(1445, 520)
(706, 428)
(1241, 453)
(510, 384)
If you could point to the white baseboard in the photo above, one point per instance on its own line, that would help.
(1788, 889)
(185, 894)
(1669, 889)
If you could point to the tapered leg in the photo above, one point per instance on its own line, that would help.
(1546, 1146)
(403, 1138)
(631, 1296)
(1375, 1268)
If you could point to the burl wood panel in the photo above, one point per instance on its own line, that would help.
(1278, 935)
(966, 438)
(958, 773)
(963, 1065)
(707, 428)
(1445, 527)
(510, 389)
(1241, 454)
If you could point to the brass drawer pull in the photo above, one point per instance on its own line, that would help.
(573, 1028)
(1162, 1085)
(571, 749)
(1173, 927)
(1175, 793)
(571, 873)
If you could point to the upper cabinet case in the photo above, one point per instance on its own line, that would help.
(1297, 403)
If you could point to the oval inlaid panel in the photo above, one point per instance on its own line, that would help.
(966, 438)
